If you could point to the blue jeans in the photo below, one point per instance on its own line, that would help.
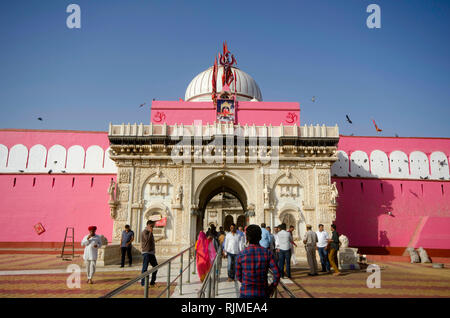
(324, 259)
(231, 265)
(146, 259)
(284, 257)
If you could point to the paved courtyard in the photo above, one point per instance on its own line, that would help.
(45, 276)
(397, 280)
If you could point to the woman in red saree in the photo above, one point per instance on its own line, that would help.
(203, 258)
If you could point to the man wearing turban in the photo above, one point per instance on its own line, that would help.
(92, 243)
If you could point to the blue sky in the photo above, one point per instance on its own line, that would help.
(128, 52)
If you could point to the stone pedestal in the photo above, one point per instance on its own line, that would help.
(348, 258)
(110, 255)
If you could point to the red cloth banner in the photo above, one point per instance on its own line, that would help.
(39, 228)
(162, 222)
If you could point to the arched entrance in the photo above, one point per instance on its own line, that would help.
(220, 183)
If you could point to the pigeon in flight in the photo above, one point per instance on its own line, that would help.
(376, 127)
(141, 105)
(313, 99)
(348, 119)
(40, 118)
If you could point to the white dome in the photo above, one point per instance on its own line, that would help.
(200, 88)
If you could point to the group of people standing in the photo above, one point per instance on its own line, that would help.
(326, 246)
(250, 252)
(92, 242)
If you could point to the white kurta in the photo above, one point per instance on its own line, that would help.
(91, 252)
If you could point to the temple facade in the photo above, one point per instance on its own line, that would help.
(224, 141)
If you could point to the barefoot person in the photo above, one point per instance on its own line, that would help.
(92, 243)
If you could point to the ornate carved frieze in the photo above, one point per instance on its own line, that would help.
(124, 176)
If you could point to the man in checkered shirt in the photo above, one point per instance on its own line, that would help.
(252, 266)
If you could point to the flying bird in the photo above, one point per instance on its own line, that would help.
(141, 105)
(376, 127)
(40, 118)
(313, 99)
(348, 119)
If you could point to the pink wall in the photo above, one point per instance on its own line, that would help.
(389, 144)
(258, 113)
(420, 208)
(56, 206)
(420, 212)
(48, 138)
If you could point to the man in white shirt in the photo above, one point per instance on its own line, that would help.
(233, 245)
(283, 246)
(322, 243)
(92, 243)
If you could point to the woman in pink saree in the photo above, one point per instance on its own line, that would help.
(206, 253)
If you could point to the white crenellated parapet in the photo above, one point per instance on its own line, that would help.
(58, 159)
(395, 165)
(223, 129)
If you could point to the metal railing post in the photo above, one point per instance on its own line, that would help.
(218, 267)
(195, 261)
(146, 287)
(189, 266)
(181, 274)
(168, 279)
(209, 287)
(213, 281)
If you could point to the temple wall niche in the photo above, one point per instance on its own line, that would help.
(157, 196)
(56, 157)
(379, 164)
(439, 165)
(36, 158)
(419, 165)
(3, 156)
(359, 164)
(18, 155)
(288, 195)
(340, 167)
(75, 158)
(399, 164)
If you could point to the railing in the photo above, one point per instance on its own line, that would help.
(209, 130)
(210, 285)
(168, 263)
(285, 288)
